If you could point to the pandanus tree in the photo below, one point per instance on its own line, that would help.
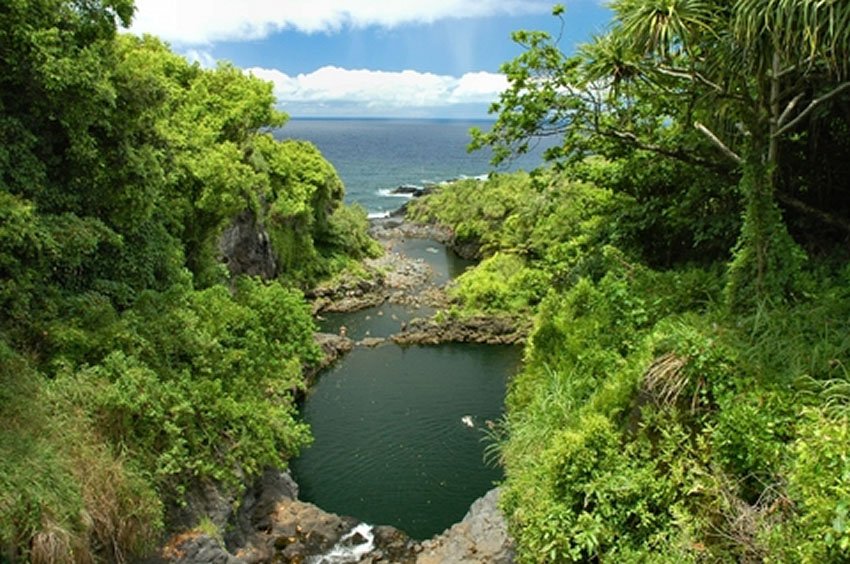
(715, 83)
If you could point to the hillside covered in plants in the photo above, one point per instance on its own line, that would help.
(133, 364)
(685, 395)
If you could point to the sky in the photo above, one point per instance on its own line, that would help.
(367, 58)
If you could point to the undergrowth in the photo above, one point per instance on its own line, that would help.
(652, 422)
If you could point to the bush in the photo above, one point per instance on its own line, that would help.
(65, 496)
(819, 485)
(203, 388)
(501, 283)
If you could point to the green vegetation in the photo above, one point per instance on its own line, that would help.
(132, 367)
(685, 395)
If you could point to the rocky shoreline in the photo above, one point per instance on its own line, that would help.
(397, 279)
(270, 524)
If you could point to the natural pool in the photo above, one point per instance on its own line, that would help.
(390, 444)
(392, 440)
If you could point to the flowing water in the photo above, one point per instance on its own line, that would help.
(393, 443)
(399, 432)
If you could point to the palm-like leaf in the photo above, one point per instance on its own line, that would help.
(665, 26)
(801, 30)
(610, 58)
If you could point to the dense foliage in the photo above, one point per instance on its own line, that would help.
(685, 391)
(133, 366)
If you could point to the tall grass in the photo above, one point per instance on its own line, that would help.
(64, 495)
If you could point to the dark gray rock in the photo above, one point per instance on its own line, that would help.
(245, 247)
(408, 190)
(469, 249)
(258, 504)
(494, 330)
(198, 549)
(205, 499)
(393, 545)
(482, 536)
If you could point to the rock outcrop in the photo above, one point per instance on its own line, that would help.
(272, 525)
(195, 548)
(479, 329)
(245, 247)
(392, 277)
(396, 228)
(469, 249)
(482, 536)
(333, 347)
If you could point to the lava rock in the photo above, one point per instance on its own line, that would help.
(482, 536)
(245, 247)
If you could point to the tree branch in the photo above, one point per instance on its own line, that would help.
(812, 105)
(788, 109)
(792, 68)
(678, 154)
(692, 76)
(825, 217)
(717, 142)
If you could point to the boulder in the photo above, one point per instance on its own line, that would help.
(408, 190)
(469, 249)
(371, 342)
(333, 346)
(195, 548)
(482, 536)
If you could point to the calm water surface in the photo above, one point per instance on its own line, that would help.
(390, 445)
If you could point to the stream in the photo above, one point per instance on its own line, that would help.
(400, 432)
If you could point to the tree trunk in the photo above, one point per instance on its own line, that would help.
(767, 261)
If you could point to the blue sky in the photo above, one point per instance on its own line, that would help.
(380, 58)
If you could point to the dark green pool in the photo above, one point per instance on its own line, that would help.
(390, 444)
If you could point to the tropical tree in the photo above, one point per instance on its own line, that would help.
(717, 84)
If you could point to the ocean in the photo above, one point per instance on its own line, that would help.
(375, 156)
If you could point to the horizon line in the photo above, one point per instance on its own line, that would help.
(393, 118)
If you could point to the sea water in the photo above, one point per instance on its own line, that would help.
(375, 156)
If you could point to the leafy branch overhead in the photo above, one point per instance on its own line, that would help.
(730, 87)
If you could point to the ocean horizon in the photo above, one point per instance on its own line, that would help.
(373, 155)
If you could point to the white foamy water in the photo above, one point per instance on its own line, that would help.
(346, 551)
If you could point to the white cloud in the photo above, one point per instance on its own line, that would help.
(203, 58)
(381, 91)
(197, 22)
